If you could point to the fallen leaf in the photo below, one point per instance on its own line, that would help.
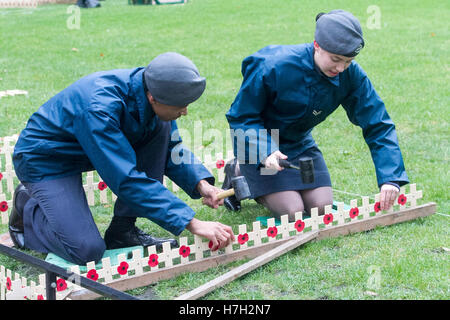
(75, 49)
(101, 54)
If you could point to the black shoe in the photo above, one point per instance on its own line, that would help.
(115, 239)
(231, 203)
(15, 225)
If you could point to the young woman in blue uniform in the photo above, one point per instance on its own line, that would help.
(122, 124)
(289, 89)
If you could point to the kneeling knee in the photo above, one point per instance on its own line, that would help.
(320, 205)
(289, 210)
(90, 251)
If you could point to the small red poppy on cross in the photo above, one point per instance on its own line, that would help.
(122, 268)
(272, 232)
(92, 274)
(328, 218)
(3, 206)
(8, 283)
(354, 212)
(299, 225)
(401, 200)
(242, 238)
(220, 164)
(61, 285)
(102, 185)
(184, 251)
(377, 206)
(153, 260)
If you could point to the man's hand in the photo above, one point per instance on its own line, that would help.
(271, 161)
(388, 193)
(219, 234)
(209, 194)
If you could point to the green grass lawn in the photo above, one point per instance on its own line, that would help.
(406, 59)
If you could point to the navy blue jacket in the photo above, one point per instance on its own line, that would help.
(94, 124)
(283, 89)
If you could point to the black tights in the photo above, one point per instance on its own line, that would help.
(290, 202)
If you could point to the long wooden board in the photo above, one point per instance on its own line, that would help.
(380, 220)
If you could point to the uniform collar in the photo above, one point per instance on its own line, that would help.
(137, 86)
(318, 73)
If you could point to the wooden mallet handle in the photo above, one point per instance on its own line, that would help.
(227, 193)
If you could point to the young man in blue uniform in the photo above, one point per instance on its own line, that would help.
(289, 89)
(122, 124)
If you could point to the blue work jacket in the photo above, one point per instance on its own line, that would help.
(283, 89)
(94, 124)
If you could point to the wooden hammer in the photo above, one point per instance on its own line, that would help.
(240, 189)
(305, 165)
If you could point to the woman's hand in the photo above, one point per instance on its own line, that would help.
(271, 161)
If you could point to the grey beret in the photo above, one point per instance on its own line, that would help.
(174, 80)
(339, 32)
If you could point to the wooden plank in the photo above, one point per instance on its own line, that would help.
(249, 266)
(379, 220)
(147, 278)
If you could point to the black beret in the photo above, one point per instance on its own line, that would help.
(339, 32)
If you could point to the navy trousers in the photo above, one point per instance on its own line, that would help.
(57, 217)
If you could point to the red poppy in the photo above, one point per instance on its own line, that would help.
(102, 185)
(377, 206)
(1, 176)
(8, 283)
(401, 200)
(210, 245)
(354, 212)
(184, 251)
(243, 238)
(328, 218)
(272, 232)
(40, 297)
(3, 206)
(299, 225)
(153, 260)
(122, 268)
(220, 164)
(92, 274)
(61, 285)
